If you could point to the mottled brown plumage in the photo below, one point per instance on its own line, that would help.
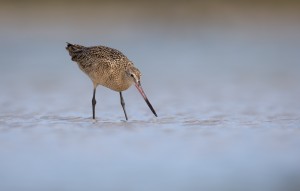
(107, 67)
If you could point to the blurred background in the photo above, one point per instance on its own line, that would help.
(223, 76)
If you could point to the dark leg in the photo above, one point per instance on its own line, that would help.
(123, 105)
(94, 102)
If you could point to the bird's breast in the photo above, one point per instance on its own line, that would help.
(113, 78)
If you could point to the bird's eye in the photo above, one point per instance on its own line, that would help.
(131, 75)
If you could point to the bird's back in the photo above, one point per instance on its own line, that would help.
(95, 53)
(104, 65)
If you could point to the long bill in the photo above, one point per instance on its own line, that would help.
(139, 87)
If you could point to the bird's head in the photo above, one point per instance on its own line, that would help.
(135, 76)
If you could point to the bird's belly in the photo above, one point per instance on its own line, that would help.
(116, 87)
(110, 79)
(116, 84)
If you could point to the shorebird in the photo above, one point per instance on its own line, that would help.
(107, 67)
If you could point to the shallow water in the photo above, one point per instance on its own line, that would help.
(227, 101)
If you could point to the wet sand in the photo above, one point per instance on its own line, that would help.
(227, 100)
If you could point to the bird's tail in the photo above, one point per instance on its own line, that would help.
(74, 49)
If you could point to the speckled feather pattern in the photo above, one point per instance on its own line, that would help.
(110, 68)
(105, 66)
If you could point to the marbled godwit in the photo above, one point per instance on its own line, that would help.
(107, 67)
